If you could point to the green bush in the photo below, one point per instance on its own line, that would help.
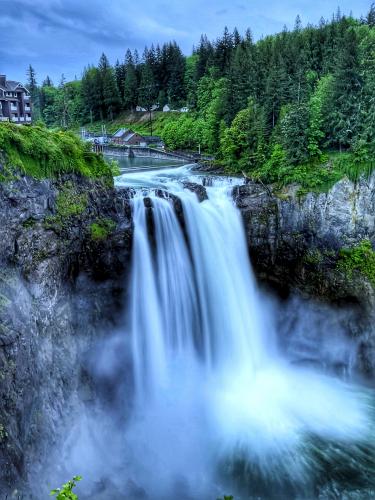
(360, 258)
(316, 175)
(41, 153)
(66, 491)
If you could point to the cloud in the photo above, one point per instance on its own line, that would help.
(65, 35)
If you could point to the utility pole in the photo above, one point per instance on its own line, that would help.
(150, 103)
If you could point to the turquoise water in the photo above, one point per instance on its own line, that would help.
(138, 163)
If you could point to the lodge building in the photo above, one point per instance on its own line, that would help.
(15, 105)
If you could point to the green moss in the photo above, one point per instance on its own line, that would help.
(101, 229)
(42, 153)
(29, 223)
(69, 204)
(313, 257)
(360, 258)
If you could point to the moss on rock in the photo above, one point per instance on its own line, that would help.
(360, 258)
(101, 229)
(41, 153)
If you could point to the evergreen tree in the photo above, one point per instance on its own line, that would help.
(110, 96)
(147, 92)
(370, 19)
(120, 73)
(47, 82)
(223, 52)
(346, 92)
(293, 133)
(130, 96)
(32, 86)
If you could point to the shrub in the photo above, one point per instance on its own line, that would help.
(66, 491)
(360, 258)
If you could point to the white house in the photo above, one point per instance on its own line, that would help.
(166, 108)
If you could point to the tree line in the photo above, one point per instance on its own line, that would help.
(287, 98)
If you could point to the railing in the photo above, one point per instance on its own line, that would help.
(4, 119)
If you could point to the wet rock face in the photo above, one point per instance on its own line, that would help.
(198, 189)
(60, 288)
(294, 244)
(284, 231)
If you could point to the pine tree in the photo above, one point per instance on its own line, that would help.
(110, 96)
(147, 91)
(370, 19)
(241, 80)
(176, 84)
(47, 82)
(293, 128)
(120, 72)
(130, 96)
(223, 52)
(32, 86)
(346, 92)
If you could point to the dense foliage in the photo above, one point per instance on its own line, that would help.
(278, 108)
(41, 153)
(66, 491)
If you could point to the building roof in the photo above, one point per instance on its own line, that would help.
(129, 136)
(120, 132)
(12, 85)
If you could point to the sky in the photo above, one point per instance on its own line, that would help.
(63, 36)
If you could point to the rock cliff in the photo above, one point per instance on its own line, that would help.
(295, 245)
(64, 250)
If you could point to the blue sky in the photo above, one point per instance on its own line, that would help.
(62, 36)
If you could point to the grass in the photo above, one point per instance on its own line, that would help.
(138, 122)
(41, 153)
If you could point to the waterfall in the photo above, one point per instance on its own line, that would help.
(212, 393)
(195, 295)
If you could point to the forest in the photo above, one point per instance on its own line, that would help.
(294, 99)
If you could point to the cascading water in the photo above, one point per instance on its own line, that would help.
(216, 408)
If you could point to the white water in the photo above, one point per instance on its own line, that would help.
(210, 385)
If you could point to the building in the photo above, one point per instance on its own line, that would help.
(126, 137)
(15, 105)
(166, 108)
(118, 136)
